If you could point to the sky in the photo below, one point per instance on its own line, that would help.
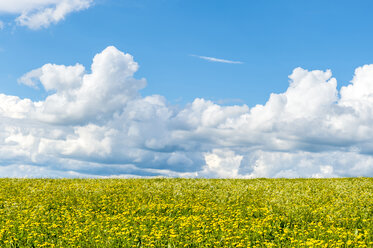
(222, 89)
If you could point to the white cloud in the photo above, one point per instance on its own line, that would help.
(1, 25)
(55, 77)
(37, 14)
(222, 163)
(95, 123)
(212, 59)
(82, 97)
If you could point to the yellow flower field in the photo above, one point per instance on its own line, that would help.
(186, 212)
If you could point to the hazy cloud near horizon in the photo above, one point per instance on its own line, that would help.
(95, 123)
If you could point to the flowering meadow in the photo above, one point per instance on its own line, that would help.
(186, 212)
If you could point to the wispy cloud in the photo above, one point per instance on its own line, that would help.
(212, 59)
(1, 25)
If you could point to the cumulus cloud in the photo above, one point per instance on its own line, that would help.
(82, 97)
(95, 123)
(37, 14)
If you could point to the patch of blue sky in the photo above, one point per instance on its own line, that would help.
(271, 37)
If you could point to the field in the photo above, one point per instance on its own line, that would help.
(186, 212)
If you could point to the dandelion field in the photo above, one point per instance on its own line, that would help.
(186, 212)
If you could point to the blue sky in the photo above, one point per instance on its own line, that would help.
(214, 88)
(271, 38)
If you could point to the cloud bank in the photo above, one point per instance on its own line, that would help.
(95, 123)
(36, 14)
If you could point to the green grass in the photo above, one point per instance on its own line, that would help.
(186, 212)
